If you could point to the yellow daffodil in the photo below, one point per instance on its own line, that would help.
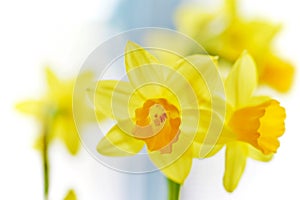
(227, 34)
(54, 111)
(254, 122)
(161, 107)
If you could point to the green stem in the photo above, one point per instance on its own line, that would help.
(174, 190)
(45, 164)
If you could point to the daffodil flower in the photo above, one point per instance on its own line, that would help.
(54, 112)
(225, 33)
(254, 122)
(161, 107)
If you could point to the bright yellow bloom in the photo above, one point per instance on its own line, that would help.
(54, 111)
(162, 107)
(227, 34)
(254, 123)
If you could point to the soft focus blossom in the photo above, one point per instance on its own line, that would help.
(226, 33)
(54, 112)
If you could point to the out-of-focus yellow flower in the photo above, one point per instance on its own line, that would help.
(159, 107)
(227, 34)
(254, 123)
(54, 111)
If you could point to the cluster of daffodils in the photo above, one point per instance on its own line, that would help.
(168, 110)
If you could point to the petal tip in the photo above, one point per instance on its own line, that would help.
(131, 46)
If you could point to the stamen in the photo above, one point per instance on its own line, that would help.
(157, 123)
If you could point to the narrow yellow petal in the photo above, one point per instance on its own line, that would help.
(180, 169)
(39, 143)
(236, 157)
(190, 19)
(213, 149)
(258, 155)
(256, 100)
(147, 79)
(200, 71)
(231, 7)
(137, 57)
(31, 107)
(53, 81)
(211, 131)
(241, 81)
(277, 73)
(111, 98)
(71, 195)
(65, 130)
(118, 143)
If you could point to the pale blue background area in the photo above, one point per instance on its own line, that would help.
(140, 13)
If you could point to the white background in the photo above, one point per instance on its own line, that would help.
(61, 34)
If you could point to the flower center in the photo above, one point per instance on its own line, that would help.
(157, 123)
(260, 125)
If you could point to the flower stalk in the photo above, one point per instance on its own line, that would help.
(173, 190)
(45, 164)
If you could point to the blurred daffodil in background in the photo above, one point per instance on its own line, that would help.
(225, 32)
(54, 112)
(155, 117)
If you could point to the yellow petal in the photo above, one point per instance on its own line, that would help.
(236, 157)
(39, 143)
(71, 195)
(179, 169)
(53, 81)
(256, 100)
(211, 131)
(136, 57)
(119, 143)
(201, 73)
(31, 107)
(258, 155)
(147, 80)
(190, 19)
(277, 73)
(241, 81)
(255, 36)
(111, 98)
(175, 164)
(66, 131)
(231, 7)
(214, 149)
